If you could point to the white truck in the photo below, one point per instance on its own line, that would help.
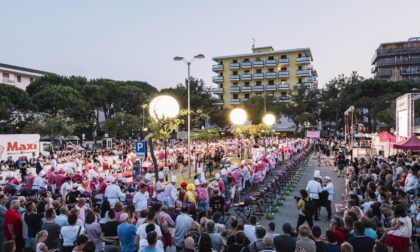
(16, 145)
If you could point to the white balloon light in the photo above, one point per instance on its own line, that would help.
(238, 116)
(269, 119)
(163, 106)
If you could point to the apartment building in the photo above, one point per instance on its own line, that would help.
(398, 60)
(17, 76)
(264, 72)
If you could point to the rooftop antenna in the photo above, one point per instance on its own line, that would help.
(253, 43)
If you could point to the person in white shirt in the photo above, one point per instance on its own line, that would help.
(141, 230)
(39, 181)
(314, 188)
(249, 229)
(411, 182)
(113, 192)
(141, 199)
(329, 187)
(66, 188)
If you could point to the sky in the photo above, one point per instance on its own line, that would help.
(137, 39)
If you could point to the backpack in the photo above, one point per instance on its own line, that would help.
(201, 194)
(309, 209)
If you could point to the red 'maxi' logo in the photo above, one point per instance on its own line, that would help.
(15, 146)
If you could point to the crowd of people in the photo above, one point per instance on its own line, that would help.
(76, 202)
(382, 207)
(79, 202)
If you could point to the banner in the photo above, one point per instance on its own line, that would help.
(313, 133)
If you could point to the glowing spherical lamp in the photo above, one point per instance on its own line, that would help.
(163, 106)
(238, 116)
(269, 119)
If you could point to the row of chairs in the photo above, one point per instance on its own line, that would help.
(276, 185)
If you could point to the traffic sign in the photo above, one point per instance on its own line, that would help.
(141, 149)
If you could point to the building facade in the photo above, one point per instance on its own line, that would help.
(264, 72)
(19, 77)
(398, 60)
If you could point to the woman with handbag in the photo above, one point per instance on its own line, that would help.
(70, 233)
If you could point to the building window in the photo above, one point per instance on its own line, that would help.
(283, 81)
(221, 97)
(271, 82)
(246, 96)
(235, 72)
(283, 94)
(271, 70)
(5, 75)
(235, 96)
(18, 78)
(258, 71)
(258, 59)
(300, 68)
(299, 55)
(283, 57)
(300, 80)
(234, 61)
(258, 83)
(246, 60)
(284, 69)
(271, 58)
(246, 71)
(235, 84)
(246, 84)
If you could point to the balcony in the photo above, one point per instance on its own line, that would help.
(384, 73)
(217, 79)
(270, 75)
(218, 102)
(410, 71)
(217, 91)
(259, 63)
(234, 89)
(306, 85)
(284, 61)
(406, 61)
(246, 89)
(271, 87)
(246, 77)
(234, 77)
(247, 64)
(234, 66)
(217, 68)
(284, 99)
(303, 60)
(394, 52)
(271, 63)
(8, 81)
(285, 86)
(258, 76)
(303, 73)
(284, 74)
(257, 88)
(235, 101)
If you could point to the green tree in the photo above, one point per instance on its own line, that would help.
(256, 108)
(303, 107)
(160, 130)
(13, 99)
(122, 125)
(52, 127)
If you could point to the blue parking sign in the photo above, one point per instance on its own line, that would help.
(141, 149)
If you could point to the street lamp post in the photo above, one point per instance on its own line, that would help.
(269, 120)
(238, 116)
(177, 58)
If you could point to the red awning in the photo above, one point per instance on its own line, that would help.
(413, 143)
(385, 136)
